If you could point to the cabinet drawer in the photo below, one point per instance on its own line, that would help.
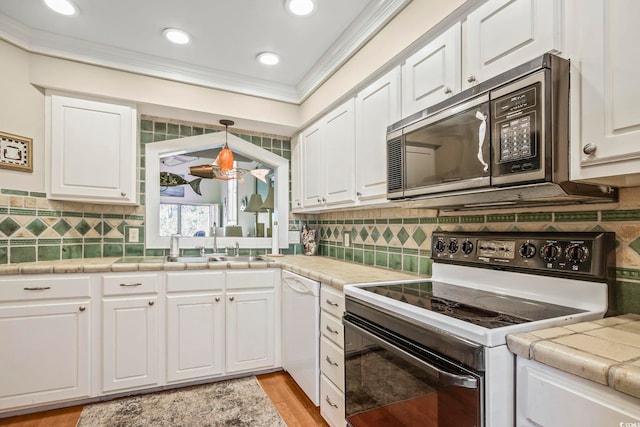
(29, 287)
(332, 300)
(244, 279)
(332, 329)
(332, 362)
(195, 281)
(331, 403)
(126, 284)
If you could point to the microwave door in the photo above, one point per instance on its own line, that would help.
(449, 151)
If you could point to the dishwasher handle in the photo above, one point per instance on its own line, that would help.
(298, 287)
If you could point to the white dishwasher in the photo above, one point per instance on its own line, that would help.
(301, 332)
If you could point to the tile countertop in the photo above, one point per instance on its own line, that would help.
(327, 270)
(606, 351)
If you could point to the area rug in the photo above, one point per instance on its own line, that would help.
(239, 402)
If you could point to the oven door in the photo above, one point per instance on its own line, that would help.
(390, 381)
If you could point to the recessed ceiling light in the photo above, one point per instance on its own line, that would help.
(268, 58)
(299, 7)
(176, 36)
(63, 7)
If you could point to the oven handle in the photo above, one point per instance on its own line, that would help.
(446, 378)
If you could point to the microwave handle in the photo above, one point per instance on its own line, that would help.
(482, 132)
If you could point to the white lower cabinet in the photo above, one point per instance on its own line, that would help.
(547, 397)
(195, 325)
(250, 320)
(130, 332)
(332, 404)
(46, 340)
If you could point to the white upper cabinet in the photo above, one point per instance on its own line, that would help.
(91, 150)
(433, 73)
(502, 34)
(605, 87)
(328, 153)
(296, 174)
(377, 107)
(311, 175)
(338, 159)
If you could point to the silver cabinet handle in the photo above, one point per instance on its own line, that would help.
(130, 284)
(151, 302)
(589, 149)
(471, 78)
(335, 304)
(330, 402)
(447, 90)
(331, 330)
(231, 298)
(82, 308)
(38, 288)
(330, 362)
(217, 299)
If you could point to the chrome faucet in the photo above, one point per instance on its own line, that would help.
(214, 233)
(237, 248)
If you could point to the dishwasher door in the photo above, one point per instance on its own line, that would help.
(301, 332)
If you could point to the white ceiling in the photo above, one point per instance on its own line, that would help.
(226, 37)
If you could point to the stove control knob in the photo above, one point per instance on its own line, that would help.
(439, 245)
(577, 253)
(527, 250)
(467, 247)
(453, 247)
(550, 252)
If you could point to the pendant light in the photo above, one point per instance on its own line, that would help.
(225, 157)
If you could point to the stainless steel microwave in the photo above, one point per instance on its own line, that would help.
(510, 132)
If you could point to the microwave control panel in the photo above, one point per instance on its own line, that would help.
(517, 121)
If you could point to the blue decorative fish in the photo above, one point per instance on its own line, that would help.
(168, 179)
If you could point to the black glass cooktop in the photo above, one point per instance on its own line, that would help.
(487, 309)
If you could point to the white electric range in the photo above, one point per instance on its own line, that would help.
(438, 346)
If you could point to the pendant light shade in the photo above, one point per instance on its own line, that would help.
(255, 204)
(268, 202)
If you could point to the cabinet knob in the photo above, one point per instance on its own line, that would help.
(319, 200)
(324, 200)
(298, 203)
(447, 90)
(151, 302)
(123, 194)
(82, 308)
(358, 194)
(217, 299)
(589, 149)
(471, 78)
(231, 298)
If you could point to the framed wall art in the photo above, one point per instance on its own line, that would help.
(16, 152)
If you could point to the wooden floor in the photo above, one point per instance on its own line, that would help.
(294, 407)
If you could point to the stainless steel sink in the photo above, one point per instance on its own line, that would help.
(237, 258)
(189, 259)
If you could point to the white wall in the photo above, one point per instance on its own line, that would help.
(21, 113)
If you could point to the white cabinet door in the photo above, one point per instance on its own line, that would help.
(433, 73)
(338, 154)
(45, 352)
(605, 89)
(502, 34)
(548, 397)
(195, 336)
(91, 151)
(250, 330)
(312, 189)
(130, 342)
(378, 106)
(296, 174)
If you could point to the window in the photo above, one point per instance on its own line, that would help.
(188, 220)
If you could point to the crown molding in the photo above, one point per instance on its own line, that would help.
(366, 26)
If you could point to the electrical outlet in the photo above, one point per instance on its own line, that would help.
(346, 239)
(134, 235)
